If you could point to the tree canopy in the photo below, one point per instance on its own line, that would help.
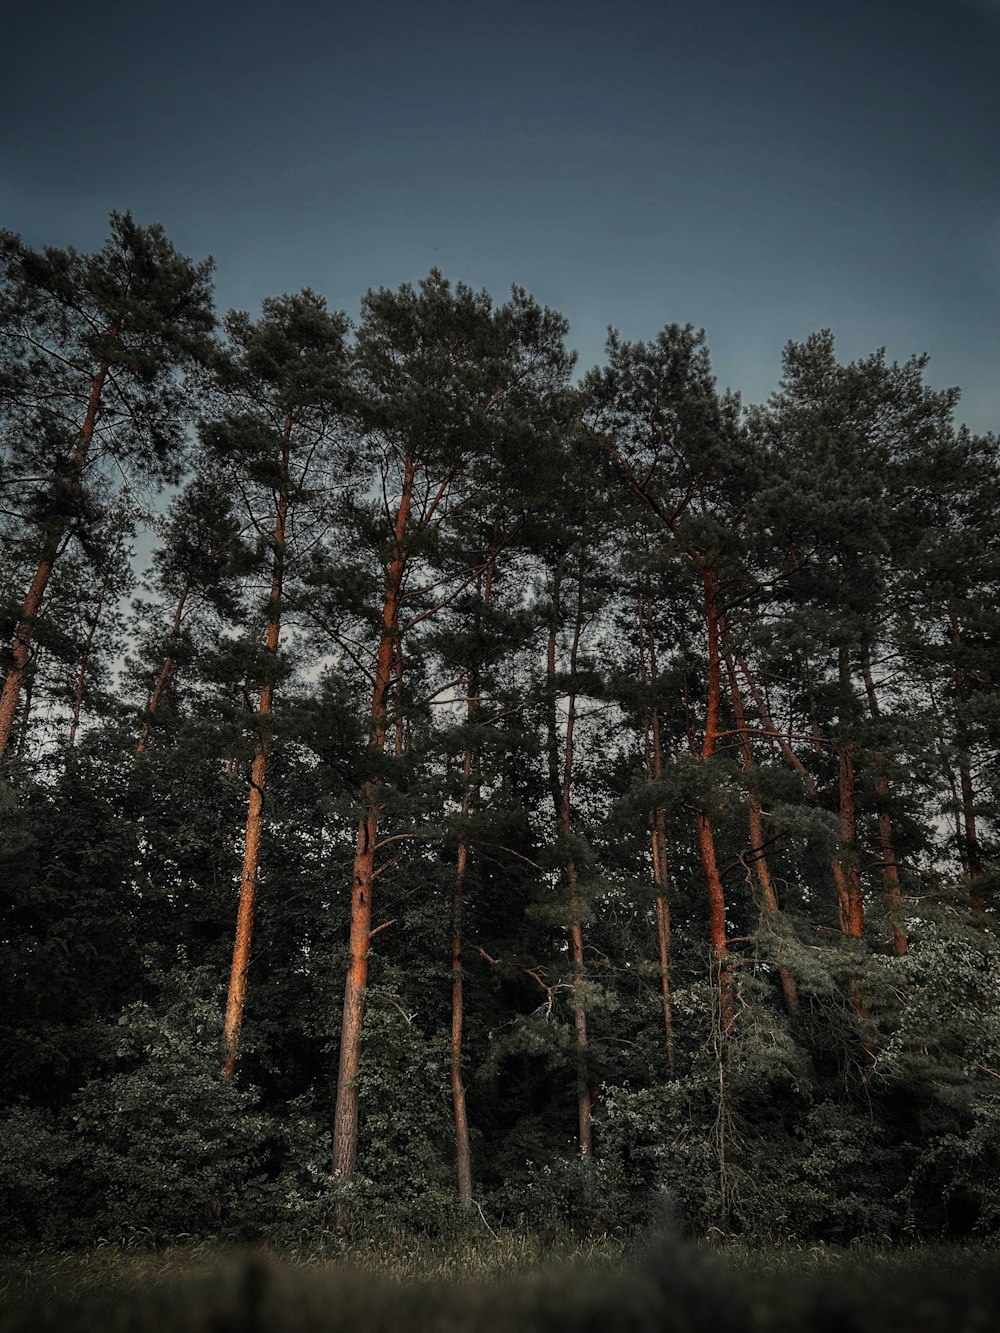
(508, 790)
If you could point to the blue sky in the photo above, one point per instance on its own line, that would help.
(761, 170)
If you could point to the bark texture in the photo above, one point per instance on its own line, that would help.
(345, 1117)
(243, 939)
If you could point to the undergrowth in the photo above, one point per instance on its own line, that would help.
(511, 1282)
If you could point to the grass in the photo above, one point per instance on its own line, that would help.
(513, 1283)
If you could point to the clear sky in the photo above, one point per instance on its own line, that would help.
(760, 168)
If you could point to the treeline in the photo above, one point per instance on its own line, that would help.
(506, 792)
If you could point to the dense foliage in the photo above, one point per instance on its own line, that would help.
(566, 791)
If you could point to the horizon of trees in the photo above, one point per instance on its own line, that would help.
(519, 791)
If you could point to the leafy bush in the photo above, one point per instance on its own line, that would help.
(167, 1144)
(35, 1158)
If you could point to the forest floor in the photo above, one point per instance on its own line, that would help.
(511, 1283)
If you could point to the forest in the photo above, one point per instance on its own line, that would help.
(443, 786)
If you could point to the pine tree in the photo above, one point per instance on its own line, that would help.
(92, 374)
(277, 434)
(194, 572)
(679, 450)
(449, 389)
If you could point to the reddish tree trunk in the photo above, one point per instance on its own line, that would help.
(34, 597)
(345, 1119)
(399, 731)
(761, 867)
(236, 998)
(847, 893)
(849, 896)
(844, 866)
(847, 871)
(703, 820)
(782, 741)
(663, 946)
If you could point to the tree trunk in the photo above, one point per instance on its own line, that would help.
(399, 731)
(81, 675)
(236, 998)
(889, 866)
(463, 1151)
(848, 893)
(34, 597)
(658, 824)
(849, 897)
(761, 867)
(165, 670)
(562, 793)
(703, 820)
(663, 946)
(844, 866)
(782, 741)
(971, 853)
(583, 1094)
(345, 1118)
(29, 689)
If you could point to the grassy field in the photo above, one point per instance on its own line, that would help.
(513, 1283)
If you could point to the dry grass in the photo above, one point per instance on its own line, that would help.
(514, 1283)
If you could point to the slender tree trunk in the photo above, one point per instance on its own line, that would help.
(658, 824)
(165, 670)
(703, 820)
(761, 867)
(583, 1094)
(81, 675)
(345, 1119)
(663, 947)
(246, 705)
(972, 855)
(850, 900)
(236, 998)
(399, 730)
(838, 867)
(562, 794)
(34, 597)
(463, 1151)
(782, 741)
(844, 866)
(849, 891)
(890, 866)
(29, 689)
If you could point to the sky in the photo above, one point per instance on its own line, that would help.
(761, 170)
